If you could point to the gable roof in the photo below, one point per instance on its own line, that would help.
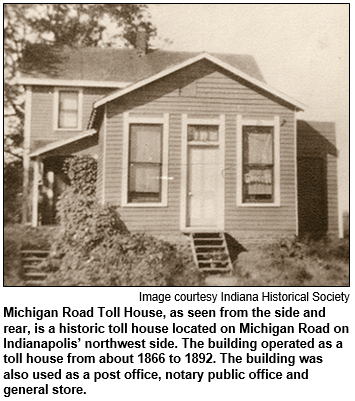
(204, 56)
(119, 67)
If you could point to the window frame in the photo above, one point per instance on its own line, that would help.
(275, 124)
(157, 166)
(56, 112)
(129, 120)
(247, 165)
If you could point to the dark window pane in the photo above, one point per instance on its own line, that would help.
(259, 149)
(258, 183)
(144, 178)
(68, 109)
(143, 197)
(145, 143)
(256, 129)
(68, 119)
(68, 100)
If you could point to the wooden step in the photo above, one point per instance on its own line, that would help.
(215, 243)
(208, 246)
(30, 263)
(208, 235)
(31, 268)
(34, 283)
(34, 253)
(38, 275)
(33, 259)
(210, 251)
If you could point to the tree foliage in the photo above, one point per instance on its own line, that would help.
(56, 25)
(86, 24)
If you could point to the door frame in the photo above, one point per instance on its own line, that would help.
(220, 122)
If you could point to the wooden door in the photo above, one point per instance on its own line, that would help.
(203, 186)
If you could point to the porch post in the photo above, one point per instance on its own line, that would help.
(35, 195)
(25, 187)
(26, 158)
(50, 192)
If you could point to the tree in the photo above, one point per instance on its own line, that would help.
(56, 25)
(14, 41)
(49, 26)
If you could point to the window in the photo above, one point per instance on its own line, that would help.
(68, 109)
(258, 164)
(145, 163)
(202, 133)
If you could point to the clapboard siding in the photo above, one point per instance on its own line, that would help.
(100, 163)
(213, 94)
(113, 160)
(42, 124)
(42, 115)
(318, 140)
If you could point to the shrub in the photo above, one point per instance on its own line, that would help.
(329, 248)
(291, 262)
(12, 192)
(128, 260)
(12, 257)
(84, 222)
(82, 173)
(95, 248)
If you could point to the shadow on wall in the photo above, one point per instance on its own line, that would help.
(311, 138)
(234, 247)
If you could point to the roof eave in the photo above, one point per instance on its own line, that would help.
(71, 82)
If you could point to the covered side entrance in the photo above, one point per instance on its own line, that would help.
(49, 180)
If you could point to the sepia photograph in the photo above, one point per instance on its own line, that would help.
(176, 145)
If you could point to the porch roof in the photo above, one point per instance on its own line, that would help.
(59, 144)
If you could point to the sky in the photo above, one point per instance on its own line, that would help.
(301, 49)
